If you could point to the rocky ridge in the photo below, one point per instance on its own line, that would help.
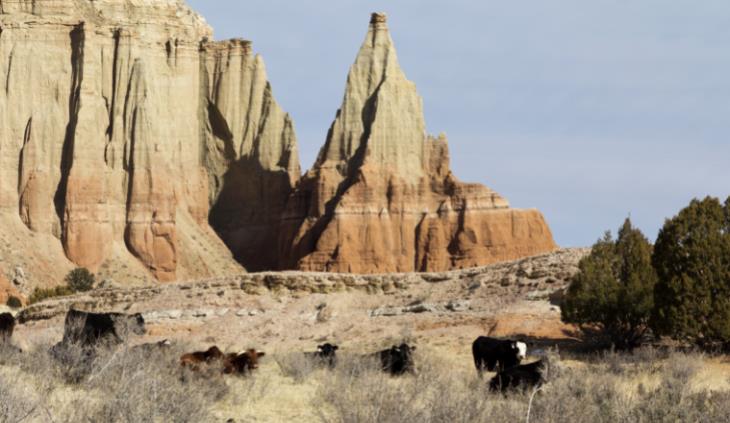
(539, 276)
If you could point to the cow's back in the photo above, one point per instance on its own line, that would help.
(86, 328)
(522, 376)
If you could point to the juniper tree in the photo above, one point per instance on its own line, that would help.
(613, 291)
(692, 260)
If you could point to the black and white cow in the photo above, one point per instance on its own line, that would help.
(519, 377)
(490, 353)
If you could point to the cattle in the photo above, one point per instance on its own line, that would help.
(519, 377)
(326, 354)
(491, 354)
(91, 329)
(214, 358)
(195, 359)
(397, 360)
(242, 363)
(7, 326)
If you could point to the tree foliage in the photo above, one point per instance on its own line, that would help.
(80, 280)
(692, 259)
(613, 291)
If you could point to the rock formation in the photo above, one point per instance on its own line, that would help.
(122, 126)
(134, 145)
(381, 196)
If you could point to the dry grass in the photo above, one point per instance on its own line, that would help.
(122, 385)
(131, 386)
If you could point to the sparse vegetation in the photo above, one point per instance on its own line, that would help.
(614, 290)
(125, 385)
(130, 386)
(41, 294)
(77, 280)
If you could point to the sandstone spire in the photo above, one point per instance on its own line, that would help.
(381, 196)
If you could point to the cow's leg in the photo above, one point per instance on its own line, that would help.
(479, 364)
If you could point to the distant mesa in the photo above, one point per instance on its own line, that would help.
(135, 146)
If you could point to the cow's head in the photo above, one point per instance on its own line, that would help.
(405, 353)
(520, 349)
(327, 350)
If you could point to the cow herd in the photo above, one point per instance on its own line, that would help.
(92, 330)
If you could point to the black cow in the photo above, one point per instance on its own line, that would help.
(85, 332)
(7, 326)
(397, 360)
(519, 377)
(326, 354)
(90, 329)
(491, 353)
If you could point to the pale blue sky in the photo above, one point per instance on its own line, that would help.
(587, 110)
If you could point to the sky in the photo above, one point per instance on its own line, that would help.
(591, 111)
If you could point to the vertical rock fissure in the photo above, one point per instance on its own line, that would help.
(115, 82)
(10, 68)
(21, 161)
(420, 267)
(77, 37)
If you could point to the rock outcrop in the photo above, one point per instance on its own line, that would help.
(123, 126)
(381, 196)
(134, 145)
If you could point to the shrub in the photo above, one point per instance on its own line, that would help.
(14, 302)
(41, 294)
(80, 280)
(296, 365)
(119, 385)
(614, 289)
(692, 260)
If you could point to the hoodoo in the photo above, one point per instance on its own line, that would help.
(381, 196)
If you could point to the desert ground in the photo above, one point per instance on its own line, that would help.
(285, 314)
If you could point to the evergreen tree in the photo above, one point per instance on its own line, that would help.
(692, 260)
(613, 291)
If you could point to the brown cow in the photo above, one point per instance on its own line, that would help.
(242, 363)
(195, 359)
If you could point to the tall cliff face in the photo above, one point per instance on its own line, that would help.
(381, 196)
(122, 127)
